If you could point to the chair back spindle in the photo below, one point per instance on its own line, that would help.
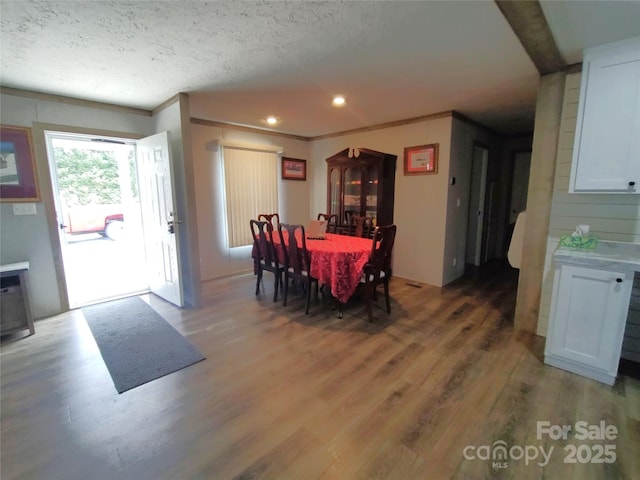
(332, 221)
(347, 216)
(360, 226)
(269, 218)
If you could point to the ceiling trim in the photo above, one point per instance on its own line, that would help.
(398, 123)
(214, 123)
(16, 92)
(380, 126)
(166, 104)
(528, 22)
(468, 120)
(84, 131)
(214, 145)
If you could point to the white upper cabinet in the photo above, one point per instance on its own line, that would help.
(606, 151)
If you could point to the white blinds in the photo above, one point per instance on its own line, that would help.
(251, 188)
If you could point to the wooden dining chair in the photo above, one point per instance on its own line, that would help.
(268, 217)
(332, 221)
(378, 269)
(360, 226)
(265, 257)
(296, 260)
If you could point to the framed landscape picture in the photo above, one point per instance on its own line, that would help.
(421, 160)
(294, 169)
(18, 179)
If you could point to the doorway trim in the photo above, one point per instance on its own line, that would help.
(47, 192)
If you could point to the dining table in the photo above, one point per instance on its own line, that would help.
(337, 261)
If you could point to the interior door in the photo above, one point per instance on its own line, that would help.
(159, 217)
(477, 205)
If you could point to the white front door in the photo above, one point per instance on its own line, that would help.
(159, 217)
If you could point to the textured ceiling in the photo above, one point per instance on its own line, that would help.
(242, 60)
(577, 25)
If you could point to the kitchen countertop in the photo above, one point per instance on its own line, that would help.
(608, 254)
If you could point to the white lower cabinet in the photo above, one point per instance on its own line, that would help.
(588, 315)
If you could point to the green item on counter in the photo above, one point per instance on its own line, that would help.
(584, 243)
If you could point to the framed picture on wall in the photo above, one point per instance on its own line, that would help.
(18, 179)
(421, 160)
(294, 169)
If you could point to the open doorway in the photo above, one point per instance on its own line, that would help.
(518, 191)
(96, 189)
(519, 184)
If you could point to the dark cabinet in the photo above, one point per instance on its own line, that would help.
(15, 310)
(362, 185)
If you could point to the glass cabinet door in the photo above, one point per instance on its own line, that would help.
(371, 193)
(365, 185)
(334, 191)
(352, 190)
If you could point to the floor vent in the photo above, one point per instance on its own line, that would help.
(414, 285)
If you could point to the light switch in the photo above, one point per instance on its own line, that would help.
(24, 209)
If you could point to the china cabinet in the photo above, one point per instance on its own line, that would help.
(361, 182)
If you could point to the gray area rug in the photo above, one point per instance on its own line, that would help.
(136, 343)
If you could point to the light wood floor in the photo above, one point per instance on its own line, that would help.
(282, 395)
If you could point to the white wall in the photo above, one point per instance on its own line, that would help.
(28, 238)
(463, 137)
(420, 205)
(611, 217)
(216, 259)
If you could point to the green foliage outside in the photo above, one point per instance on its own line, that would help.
(90, 176)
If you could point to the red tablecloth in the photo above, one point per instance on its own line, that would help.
(338, 262)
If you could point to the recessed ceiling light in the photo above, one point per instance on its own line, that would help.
(339, 101)
(272, 120)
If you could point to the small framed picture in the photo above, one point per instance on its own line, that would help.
(421, 160)
(18, 178)
(294, 169)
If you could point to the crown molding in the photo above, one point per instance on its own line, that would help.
(16, 92)
(241, 128)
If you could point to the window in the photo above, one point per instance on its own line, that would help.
(251, 188)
